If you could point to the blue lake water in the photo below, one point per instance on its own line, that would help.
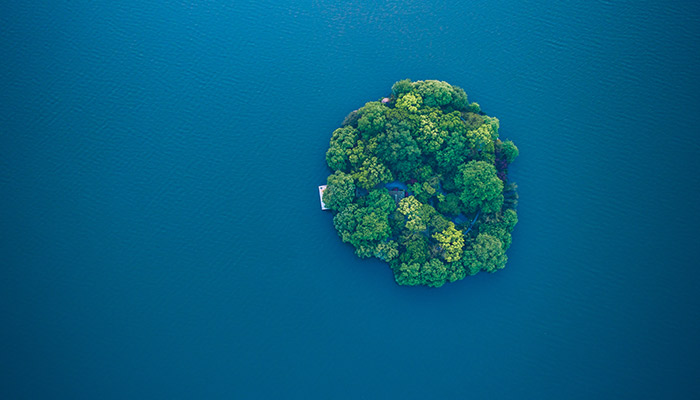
(160, 227)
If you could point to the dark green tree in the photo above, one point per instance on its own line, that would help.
(510, 196)
(510, 152)
(401, 87)
(415, 248)
(459, 98)
(450, 205)
(500, 226)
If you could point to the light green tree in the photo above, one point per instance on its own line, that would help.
(482, 138)
(413, 210)
(410, 102)
(430, 137)
(451, 240)
(387, 251)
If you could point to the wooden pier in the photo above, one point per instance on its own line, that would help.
(320, 195)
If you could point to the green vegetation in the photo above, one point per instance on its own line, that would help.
(420, 180)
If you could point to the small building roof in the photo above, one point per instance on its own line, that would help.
(397, 194)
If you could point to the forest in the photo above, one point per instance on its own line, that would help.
(420, 180)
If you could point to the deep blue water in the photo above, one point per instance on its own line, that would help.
(160, 231)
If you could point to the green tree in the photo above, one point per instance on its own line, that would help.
(434, 221)
(408, 274)
(457, 143)
(371, 230)
(411, 102)
(510, 152)
(459, 98)
(342, 142)
(433, 273)
(434, 93)
(340, 191)
(480, 187)
(486, 254)
(425, 190)
(357, 155)
(500, 226)
(362, 227)
(415, 248)
(380, 201)
(451, 241)
(345, 222)
(397, 148)
(450, 205)
(372, 173)
(482, 138)
(430, 137)
(453, 154)
(387, 251)
(472, 120)
(495, 124)
(401, 87)
(372, 119)
(397, 222)
(351, 119)
(413, 210)
(455, 271)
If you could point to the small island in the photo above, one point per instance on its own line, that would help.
(420, 180)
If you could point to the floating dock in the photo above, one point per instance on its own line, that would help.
(320, 195)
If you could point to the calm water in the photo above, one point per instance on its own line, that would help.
(161, 232)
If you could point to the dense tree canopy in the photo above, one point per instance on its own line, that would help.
(480, 188)
(420, 180)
